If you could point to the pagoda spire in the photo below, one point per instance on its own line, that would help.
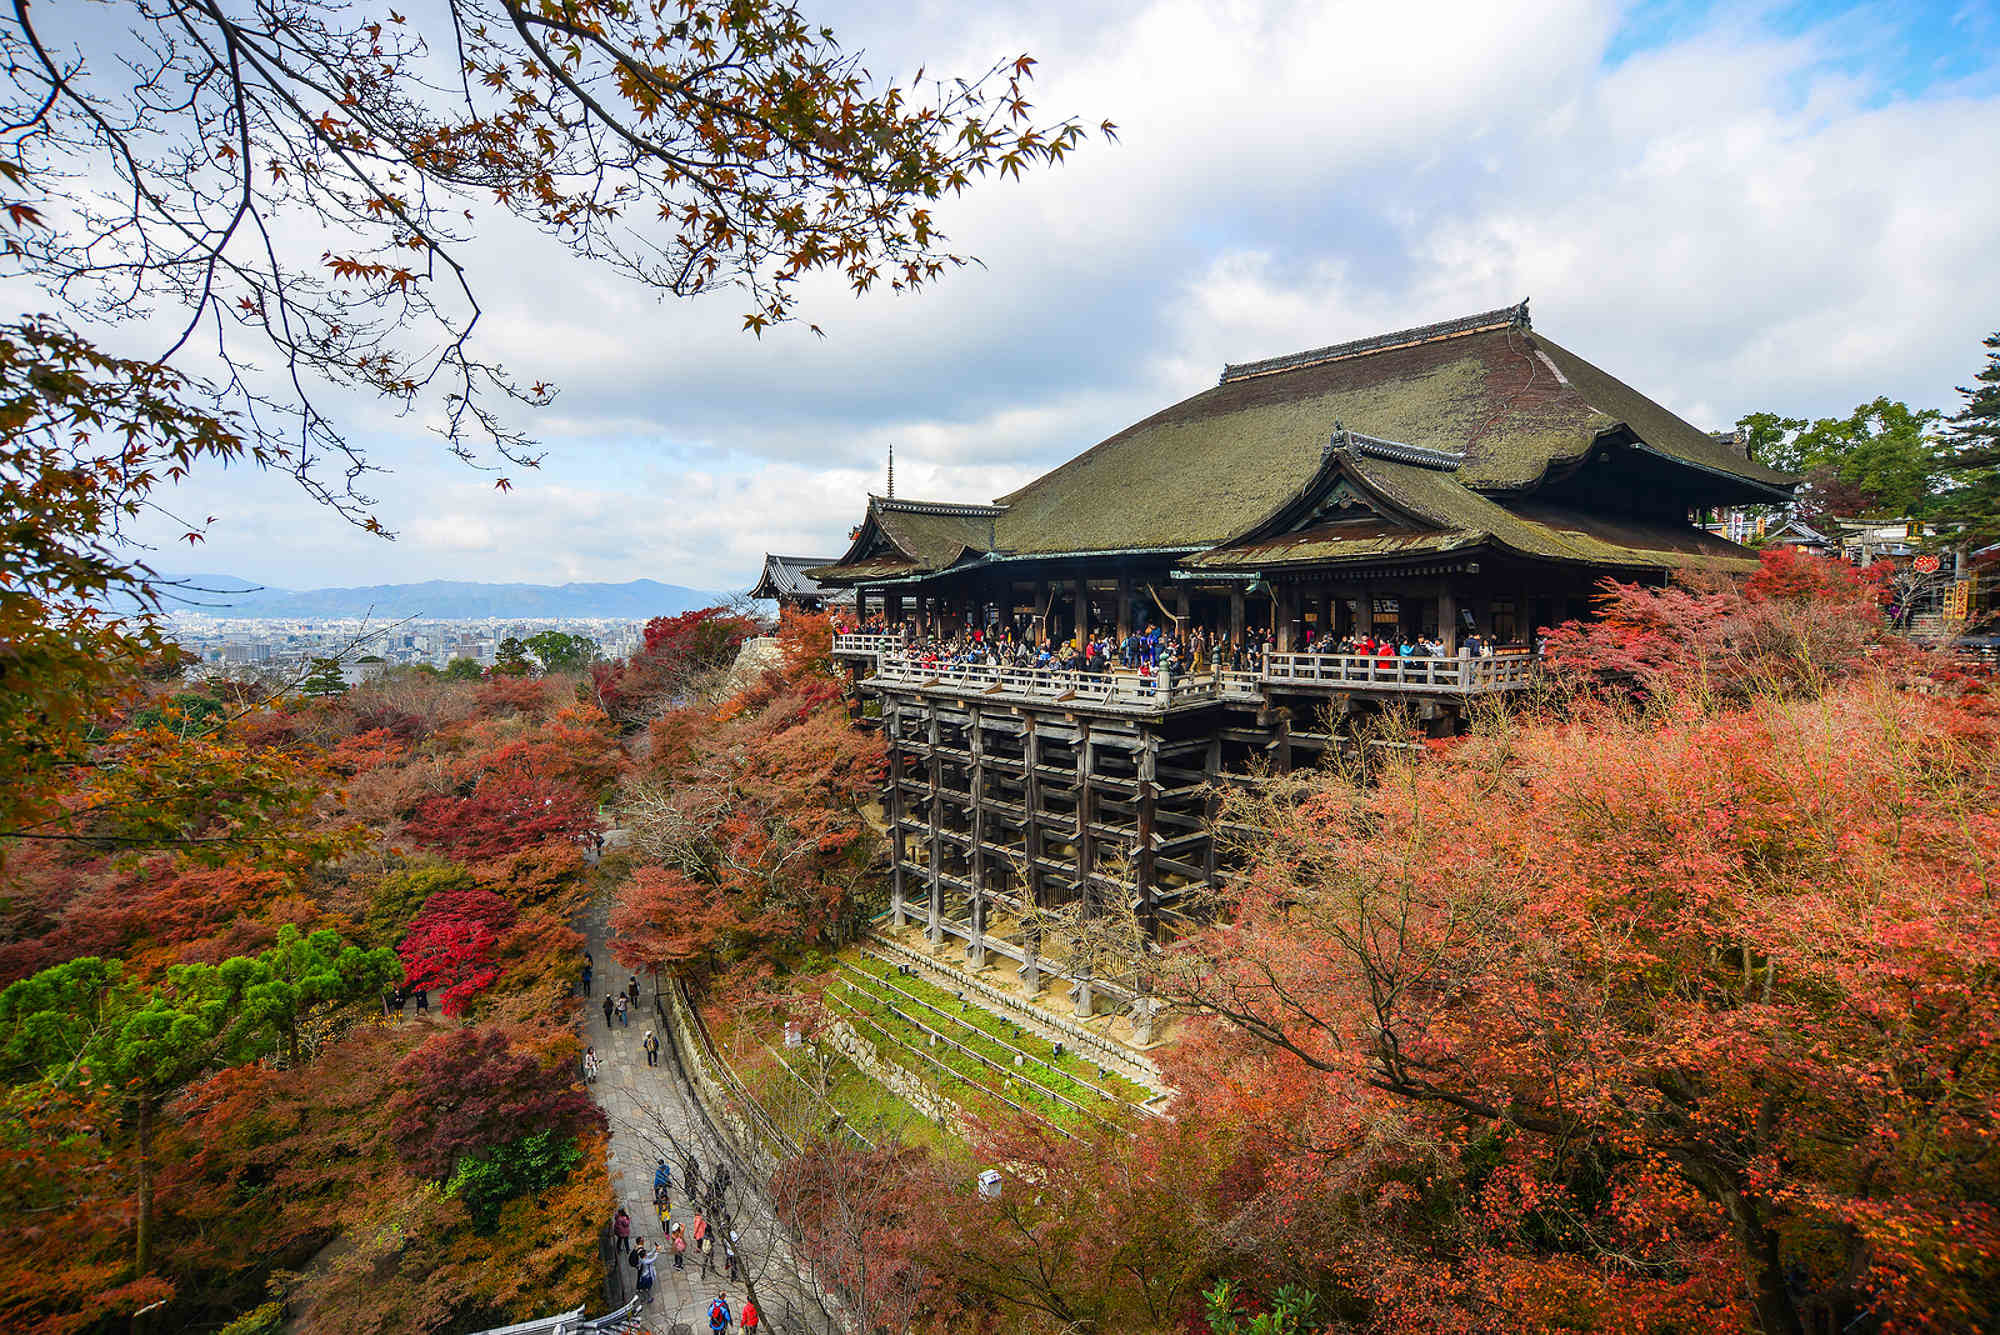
(892, 472)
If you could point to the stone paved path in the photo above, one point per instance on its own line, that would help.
(654, 1116)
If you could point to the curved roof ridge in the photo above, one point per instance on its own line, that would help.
(1515, 316)
(898, 505)
(1376, 447)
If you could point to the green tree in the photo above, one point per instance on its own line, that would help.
(403, 892)
(78, 1023)
(1883, 460)
(299, 975)
(511, 659)
(559, 652)
(324, 679)
(1970, 507)
(83, 1024)
(464, 669)
(1291, 1312)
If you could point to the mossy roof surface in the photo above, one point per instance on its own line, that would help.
(1511, 401)
(1430, 510)
(936, 534)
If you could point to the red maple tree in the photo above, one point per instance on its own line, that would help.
(506, 813)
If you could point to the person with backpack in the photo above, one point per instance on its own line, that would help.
(621, 1228)
(651, 1044)
(632, 989)
(607, 1010)
(663, 1184)
(680, 1248)
(718, 1315)
(624, 1020)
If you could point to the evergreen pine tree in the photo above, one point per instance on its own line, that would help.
(1970, 509)
(324, 679)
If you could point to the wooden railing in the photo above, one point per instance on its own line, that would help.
(867, 646)
(1461, 675)
(1128, 690)
(1120, 689)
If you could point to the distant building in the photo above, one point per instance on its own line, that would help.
(786, 583)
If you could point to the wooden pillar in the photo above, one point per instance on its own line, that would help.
(1145, 799)
(1181, 608)
(975, 948)
(892, 724)
(935, 919)
(1031, 803)
(1448, 620)
(1082, 595)
(1086, 803)
(1211, 767)
(1284, 612)
(893, 607)
(1124, 621)
(1236, 614)
(1326, 628)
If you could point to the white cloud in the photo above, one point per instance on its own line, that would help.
(1730, 220)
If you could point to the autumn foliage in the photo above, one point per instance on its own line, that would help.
(749, 827)
(504, 814)
(1637, 1020)
(466, 1092)
(1796, 625)
(231, 903)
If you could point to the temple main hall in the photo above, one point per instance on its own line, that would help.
(1067, 673)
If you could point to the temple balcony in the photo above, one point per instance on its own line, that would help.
(1123, 691)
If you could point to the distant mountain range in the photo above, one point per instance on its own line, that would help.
(437, 600)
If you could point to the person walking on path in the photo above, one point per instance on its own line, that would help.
(718, 1315)
(652, 1045)
(590, 1065)
(624, 1020)
(700, 1228)
(729, 1256)
(707, 1246)
(648, 1272)
(749, 1316)
(607, 1010)
(423, 1001)
(586, 977)
(622, 1228)
(632, 990)
(680, 1248)
(663, 1184)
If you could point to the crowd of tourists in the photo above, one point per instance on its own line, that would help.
(1150, 650)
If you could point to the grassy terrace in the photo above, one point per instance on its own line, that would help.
(972, 1059)
(872, 1110)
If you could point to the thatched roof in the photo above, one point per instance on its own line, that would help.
(1514, 407)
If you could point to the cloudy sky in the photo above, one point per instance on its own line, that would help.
(1792, 208)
